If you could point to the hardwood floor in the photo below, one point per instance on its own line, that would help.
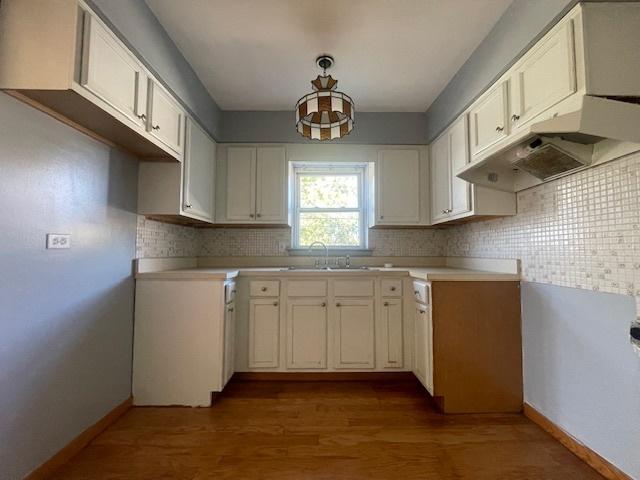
(323, 430)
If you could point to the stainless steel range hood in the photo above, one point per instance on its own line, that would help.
(559, 145)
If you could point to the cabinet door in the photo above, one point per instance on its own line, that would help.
(420, 348)
(398, 191)
(353, 333)
(241, 181)
(264, 322)
(229, 343)
(271, 185)
(458, 158)
(488, 119)
(545, 76)
(199, 168)
(166, 118)
(392, 332)
(440, 178)
(111, 73)
(306, 333)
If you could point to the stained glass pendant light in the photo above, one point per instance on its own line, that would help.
(326, 113)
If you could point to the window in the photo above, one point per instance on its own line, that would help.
(328, 206)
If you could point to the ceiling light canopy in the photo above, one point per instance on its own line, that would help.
(326, 113)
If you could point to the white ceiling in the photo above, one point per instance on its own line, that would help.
(391, 55)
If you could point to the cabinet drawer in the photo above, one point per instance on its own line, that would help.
(391, 287)
(421, 292)
(353, 288)
(264, 288)
(307, 288)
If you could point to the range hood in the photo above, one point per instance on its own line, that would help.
(557, 146)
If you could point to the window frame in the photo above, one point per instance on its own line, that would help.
(328, 169)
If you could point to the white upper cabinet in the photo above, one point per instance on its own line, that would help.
(452, 197)
(440, 178)
(488, 118)
(544, 77)
(271, 185)
(400, 178)
(240, 185)
(61, 55)
(306, 333)
(166, 117)
(256, 185)
(112, 73)
(199, 173)
(458, 136)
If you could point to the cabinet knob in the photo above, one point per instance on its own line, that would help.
(515, 118)
(423, 311)
(156, 127)
(188, 205)
(258, 215)
(338, 304)
(323, 304)
(381, 217)
(230, 309)
(263, 289)
(142, 117)
(393, 289)
(416, 292)
(386, 304)
(251, 215)
(275, 304)
(499, 128)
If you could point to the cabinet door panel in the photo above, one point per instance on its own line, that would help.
(459, 157)
(271, 185)
(440, 178)
(353, 334)
(264, 321)
(111, 73)
(488, 119)
(398, 187)
(392, 331)
(545, 76)
(420, 348)
(306, 333)
(166, 118)
(199, 168)
(229, 343)
(241, 183)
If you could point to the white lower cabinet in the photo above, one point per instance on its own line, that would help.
(229, 340)
(353, 341)
(306, 333)
(391, 334)
(264, 332)
(423, 346)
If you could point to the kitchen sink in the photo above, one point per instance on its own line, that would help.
(327, 269)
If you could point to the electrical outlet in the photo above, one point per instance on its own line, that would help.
(58, 240)
(282, 247)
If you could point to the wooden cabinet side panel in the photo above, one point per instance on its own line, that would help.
(477, 344)
(37, 44)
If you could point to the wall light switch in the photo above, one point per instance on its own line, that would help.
(58, 240)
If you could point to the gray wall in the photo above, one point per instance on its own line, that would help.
(279, 127)
(580, 370)
(139, 28)
(524, 22)
(66, 316)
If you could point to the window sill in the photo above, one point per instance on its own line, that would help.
(333, 252)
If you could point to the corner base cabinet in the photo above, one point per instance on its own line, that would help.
(184, 339)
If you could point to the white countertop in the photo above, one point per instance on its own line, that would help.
(429, 274)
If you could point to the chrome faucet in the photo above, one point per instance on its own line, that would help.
(326, 254)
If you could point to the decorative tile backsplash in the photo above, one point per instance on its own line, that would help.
(580, 231)
(159, 239)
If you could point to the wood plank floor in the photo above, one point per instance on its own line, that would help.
(323, 430)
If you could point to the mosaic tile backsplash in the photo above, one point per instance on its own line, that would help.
(580, 231)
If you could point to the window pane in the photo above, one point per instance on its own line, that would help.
(329, 191)
(333, 229)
